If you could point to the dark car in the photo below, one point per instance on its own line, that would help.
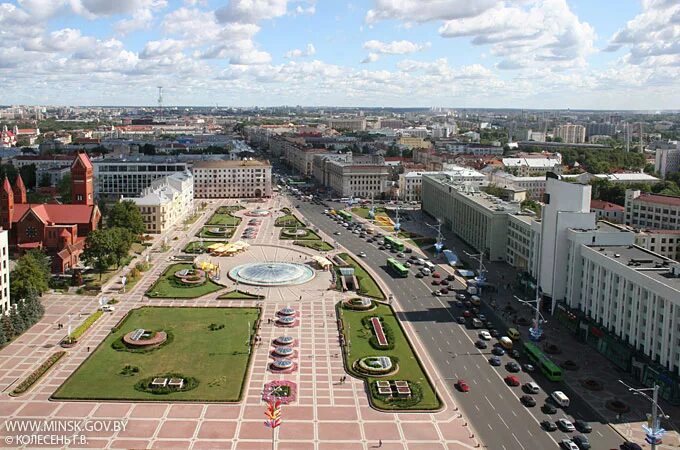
(512, 366)
(451, 278)
(498, 351)
(549, 408)
(480, 344)
(419, 275)
(382, 247)
(444, 291)
(548, 425)
(495, 361)
(494, 332)
(461, 320)
(629, 446)
(467, 313)
(581, 441)
(514, 354)
(445, 282)
(583, 426)
(458, 304)
(408, 250)
(528, 367)
(436, 282)
(528, 401)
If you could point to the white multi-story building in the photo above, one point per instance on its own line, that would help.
(571, 134)
(662, 242)
(114, 178)
(300, 158)
(166, 202)
(4, 271)
(534, 186)
(410, 184)
(667, 160)
(528, 167)
(232, 179)
(478, 218)
(364, 177)
(652, 210)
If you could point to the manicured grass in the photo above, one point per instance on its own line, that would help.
(196, 246)
(205, 232)
(367, 284)
(218, 359)
(362, 211)
(410, 368)
(310, 236)
(137, 248)
(192, 218)
(167, 285)
(240, 295)
(229, 209)
(225, 218)
(288, 220)
(321, 246)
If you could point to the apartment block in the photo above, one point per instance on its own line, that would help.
(232, 179)
(410, 183)
(571, 134)
(115, 178)
(652, 210)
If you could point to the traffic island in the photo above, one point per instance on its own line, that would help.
(182, 281)
(365, 356)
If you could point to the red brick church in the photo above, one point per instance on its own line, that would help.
(58, 229)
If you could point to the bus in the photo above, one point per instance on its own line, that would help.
(397, 268)
(549, 368)
(395, 243)
(347, 217)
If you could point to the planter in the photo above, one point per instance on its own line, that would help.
(617, 406)
(591, 385)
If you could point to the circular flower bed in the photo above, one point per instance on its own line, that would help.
(285, 391)
(147, 340)
(552, 349)
(191, 277)
(376, 365)
(617, 406)
(569, 365)
(592, 385)
(359, 304)
(301, 232)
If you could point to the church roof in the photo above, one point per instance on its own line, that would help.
(6, 186)
(84, 160)
(20, 182)
(56, 214)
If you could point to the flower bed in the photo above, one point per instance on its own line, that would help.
(379, 333)
(83, 327)
(285, 391)
(38, 373)
(376, 365)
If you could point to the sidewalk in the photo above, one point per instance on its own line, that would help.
(591, 364)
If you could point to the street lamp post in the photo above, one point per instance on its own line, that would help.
(653, 431)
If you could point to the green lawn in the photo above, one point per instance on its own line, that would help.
(137, 248)
(196, 246)
(229, 209)
(362, 211)
(321, 246)
(367, 284)
(240, 295)
(225, 218)
(205, 232)
(288, 220)
(410, 368)
(218, 359)
(167, 286)
(310, 236)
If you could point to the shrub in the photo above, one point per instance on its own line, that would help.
(145, 384)
(135, 273)
(83, 327)
(129, 370)
(37, 373)
(373, 340)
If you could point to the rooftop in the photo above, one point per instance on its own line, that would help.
(231, 164)
(660, 199)
(644, 261)
(606, 206)
(487, 201)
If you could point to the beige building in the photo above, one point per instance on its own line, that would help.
(414, 142)
(411, 183)
(166, 202)
(571, 134)
(4, 271)
(301, 158)
(652, 211)
(348, 124)
(364, 177)
(232, 179)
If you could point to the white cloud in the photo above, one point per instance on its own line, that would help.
(298, 53)
(140, 20)
(154, 49)
(370, 58)
(425, 11)
(99, 8)
(394, 48)
(251, 11)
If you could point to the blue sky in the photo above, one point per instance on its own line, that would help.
(452, 53)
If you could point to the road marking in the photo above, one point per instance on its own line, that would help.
(500, 396)
(489, 401)
(506, 425)
(447, 361)
(477, 408)
(514, 413)
(478, 366)
(448, 344)
(504, 447)
(601, 435)
(520, 444)
(530, 433)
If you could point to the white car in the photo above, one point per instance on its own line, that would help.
(108, 308)
(565, 425)
(362, 254)
(485, 335)
(568, 444)
(337, 233)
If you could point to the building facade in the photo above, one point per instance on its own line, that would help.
(364, 177)
(571, 134)
(652, 210)
(4, 271)
(532, 167)
(411, 183)
(667, 160)
(115, 178)
(166, 202)
(611, 212)
(232, 179)
(480, 219)
(662, 242)
(348, 124)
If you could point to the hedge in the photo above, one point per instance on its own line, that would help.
(38, 373)
(83, 327)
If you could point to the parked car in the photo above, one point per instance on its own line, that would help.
(436, 293)
(460, 296)
(362, 254)
(549, 408)
(485, 335)
(444, 291)
(467, 314)
(548, 425)
(528, 401)
(528, 367)
(581, 442)
(531, 387)
(400, 255)
(495, 361)
(458, 304)
(565, 425)
(419, 275)
(445, 283)
(567, 444)
(511, 380)
(436, 282)
(494, 333)
(583, 426)
(498, 351)
(436, 275)
(512, 366)
(461, 320)
(480, 344)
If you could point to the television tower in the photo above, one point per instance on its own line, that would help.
(160, 101)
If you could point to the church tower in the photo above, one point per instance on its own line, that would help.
(19, 191)
(6, 205)
(82, 187)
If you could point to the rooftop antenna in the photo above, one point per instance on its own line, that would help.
(627, 137)
(160, 100)
(642, 150)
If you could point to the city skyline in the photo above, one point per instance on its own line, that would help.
(445, 53)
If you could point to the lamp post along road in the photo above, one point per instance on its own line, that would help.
(653, 431)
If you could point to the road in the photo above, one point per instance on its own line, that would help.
(493, 408)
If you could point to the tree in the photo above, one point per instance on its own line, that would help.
(148, 149)
(100, 250)
(18, 322)
(7, 327)
(45, 180)
(532, 205)
(494, 190)
(64, 188)
(126, 215)
(122, 239)
(3, 339)
(28, 174)
(30, 276)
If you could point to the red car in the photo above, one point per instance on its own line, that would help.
(436, 275)
(436, 282)
(462, 386)
(444, 291)
(467, 313)
(512, 380)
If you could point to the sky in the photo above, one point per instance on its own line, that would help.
(579, 54)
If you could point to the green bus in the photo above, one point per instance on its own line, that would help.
(347, 217)
(397, 268)
(549, 368)
(395, 243)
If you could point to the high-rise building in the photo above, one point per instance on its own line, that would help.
(232, 179)
(600, 129)
(571, 134)
(667, 160)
